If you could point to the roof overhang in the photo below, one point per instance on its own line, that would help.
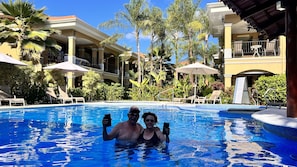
(263, 15)
(217, 13)
(76, 24)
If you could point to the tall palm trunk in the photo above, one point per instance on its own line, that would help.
(138, 57)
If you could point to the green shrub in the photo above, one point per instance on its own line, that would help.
(114, 92)
(227, 95)
(273, 86)
(24, 82)
(91, 85)
(182, 87)
(76, 92)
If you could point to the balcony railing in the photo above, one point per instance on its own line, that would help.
(255, 48)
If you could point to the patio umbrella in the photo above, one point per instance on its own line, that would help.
(9, 60)
(66, 67)
(197, 68)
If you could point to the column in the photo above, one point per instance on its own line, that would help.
(291, 59)
(228, 80)
(94, 57)
(282, 51)
(228, 40)
(71, 48)
(117, 65)
(71, 58)
(126, 76)
(101, 58)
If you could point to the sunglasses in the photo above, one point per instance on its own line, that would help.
(149, 120)
(134, 114)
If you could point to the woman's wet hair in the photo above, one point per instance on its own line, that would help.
(150, 113)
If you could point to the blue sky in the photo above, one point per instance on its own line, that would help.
(95, 12)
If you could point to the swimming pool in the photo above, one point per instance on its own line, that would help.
(72, 136)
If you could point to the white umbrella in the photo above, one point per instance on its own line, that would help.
(7, 59)
(67, 67)
(197, 68)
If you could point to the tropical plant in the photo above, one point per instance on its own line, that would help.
(155, 27)
(271, 88)
(91, 84)
(182, 15)
(54, 78)
(24, 82)
(124, 57)
(76, 92)
(203, 50)
(139, 91)
(25, 26)
(158, 78)
(227, 95)
(173, 32)
(114, 92)
(135, 17)
(182, 87)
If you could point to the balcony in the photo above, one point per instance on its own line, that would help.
(261, 48)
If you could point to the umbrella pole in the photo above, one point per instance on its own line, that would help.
(195, 86)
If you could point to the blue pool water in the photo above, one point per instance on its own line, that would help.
(72, 136)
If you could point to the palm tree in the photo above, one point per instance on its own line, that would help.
(135, 17)
(159, 77)
(182, 15)
(124, 57)
(204, 34)
(25, 26)
(154, 28)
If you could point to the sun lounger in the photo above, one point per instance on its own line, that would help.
(184, 100)
(214, 97)
(176, 99)
(78, 99)
(51, 94)
(199, 100)
(64, 96)
(6, 98)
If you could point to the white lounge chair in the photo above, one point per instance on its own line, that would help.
(199, 100)
(11, 100)
(214, 97)
(64, 96)
(51, 94)
(184, 100)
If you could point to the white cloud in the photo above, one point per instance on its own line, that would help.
(131, 36)
(145, 37)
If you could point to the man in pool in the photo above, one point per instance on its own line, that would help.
(126, 133)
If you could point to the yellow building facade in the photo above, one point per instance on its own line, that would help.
(243, 50)
(80, 44)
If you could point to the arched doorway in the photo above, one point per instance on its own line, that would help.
(252, 76)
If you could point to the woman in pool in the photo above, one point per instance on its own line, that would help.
(152, 136)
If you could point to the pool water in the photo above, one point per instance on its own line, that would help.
(72, 136)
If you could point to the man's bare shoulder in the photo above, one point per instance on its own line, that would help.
(121, 124)
(139, 125)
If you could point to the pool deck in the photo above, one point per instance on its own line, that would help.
(277, 122)
(274, 119)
